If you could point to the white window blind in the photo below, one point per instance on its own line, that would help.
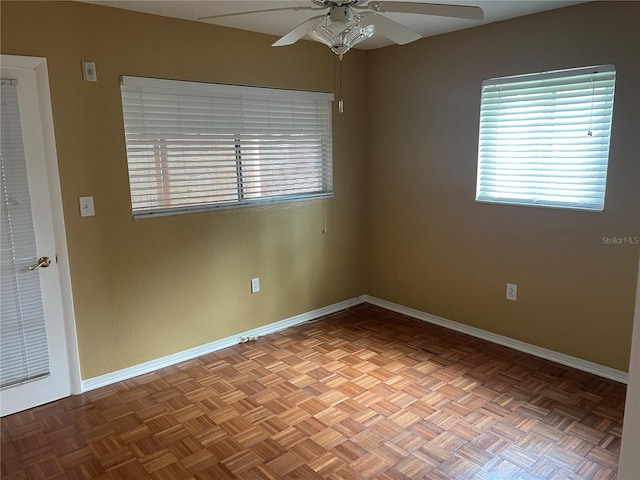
(24, 349)
(544, 138)
(197, 146)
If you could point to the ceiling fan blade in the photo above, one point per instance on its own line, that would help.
(438, 9)
(209, 17)
(296, 34)
(390, 28)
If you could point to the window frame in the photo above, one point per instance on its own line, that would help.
(294, 157)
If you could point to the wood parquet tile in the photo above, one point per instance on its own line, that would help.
(362, 394)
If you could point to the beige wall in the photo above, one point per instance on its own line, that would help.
(431, 247)
(403, 225)
(148, 288)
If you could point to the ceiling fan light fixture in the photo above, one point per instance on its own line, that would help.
(340, 37)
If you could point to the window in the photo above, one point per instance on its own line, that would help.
(198, 146)
(544, 138)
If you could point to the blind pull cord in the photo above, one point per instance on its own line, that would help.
(324, 215)
(590, 131)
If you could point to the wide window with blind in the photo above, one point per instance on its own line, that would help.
(198, 146)
(544, 138)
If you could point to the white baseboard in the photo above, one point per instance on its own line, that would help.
(561, 358)
(152, 365)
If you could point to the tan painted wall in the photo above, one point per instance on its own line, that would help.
(148, 288)
(431, 247)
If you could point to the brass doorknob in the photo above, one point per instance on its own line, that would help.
(43, 262)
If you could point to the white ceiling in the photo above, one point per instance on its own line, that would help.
(279, 23)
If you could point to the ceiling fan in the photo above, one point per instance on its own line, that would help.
(349, 22)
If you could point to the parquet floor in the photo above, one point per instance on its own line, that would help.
(362, 394)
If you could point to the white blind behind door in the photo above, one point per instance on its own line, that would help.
(24, 353)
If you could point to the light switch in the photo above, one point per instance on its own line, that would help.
(86, 207)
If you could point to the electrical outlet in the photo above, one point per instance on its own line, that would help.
(512, 291)
(255, 285)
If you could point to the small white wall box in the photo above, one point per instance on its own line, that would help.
(86, 207)
(89, 72)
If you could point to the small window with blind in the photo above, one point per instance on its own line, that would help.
(544, 138)
(199, 146)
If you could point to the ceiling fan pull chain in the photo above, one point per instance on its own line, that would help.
(338, 71)
(340, 102)
(335, 72)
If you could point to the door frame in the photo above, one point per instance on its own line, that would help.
(629, 460)
(39, 67)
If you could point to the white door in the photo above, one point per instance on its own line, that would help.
(28, 290)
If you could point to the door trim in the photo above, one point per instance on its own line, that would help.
(39, 66)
